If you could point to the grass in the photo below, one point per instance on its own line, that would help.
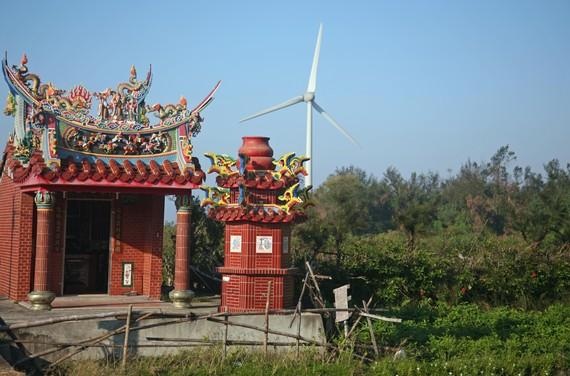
(439, 340)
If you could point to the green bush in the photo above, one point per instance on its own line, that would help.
(487, 270)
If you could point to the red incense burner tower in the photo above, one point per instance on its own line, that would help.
(259, 199)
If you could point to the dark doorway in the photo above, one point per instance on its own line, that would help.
(86, 269)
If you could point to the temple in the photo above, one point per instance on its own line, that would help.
(84, 176)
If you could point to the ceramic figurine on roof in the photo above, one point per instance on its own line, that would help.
(258, 191)
(108, 125)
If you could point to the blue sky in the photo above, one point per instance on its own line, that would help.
(423, 85)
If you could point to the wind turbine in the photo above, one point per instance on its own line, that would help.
(309, 98)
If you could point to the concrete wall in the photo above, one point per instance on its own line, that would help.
(312, 327)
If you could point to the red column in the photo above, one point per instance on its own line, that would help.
(181, 273)
(181, 296)
(44, 230)
(41, 298)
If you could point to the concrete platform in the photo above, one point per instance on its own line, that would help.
(144, 342)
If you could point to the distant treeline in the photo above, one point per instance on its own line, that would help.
(494, 233)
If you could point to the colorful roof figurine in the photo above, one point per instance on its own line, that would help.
(78, 136)
(256, 187)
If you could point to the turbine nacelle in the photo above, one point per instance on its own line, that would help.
(308, 96)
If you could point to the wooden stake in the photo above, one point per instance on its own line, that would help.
(55, 320)
(354, 326)
(284, 334)
(267, 316)
(299, 302)
(370, 328)
(319, 295)
(381, 318)
(126, 343)
(94, 341)
(299, 333)
(23, 351)
(226, 333)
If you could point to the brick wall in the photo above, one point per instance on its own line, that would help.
(242, 293)
(16, 240)
(140, 243)
(246, 273)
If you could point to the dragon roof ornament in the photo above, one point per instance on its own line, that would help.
(119, 110)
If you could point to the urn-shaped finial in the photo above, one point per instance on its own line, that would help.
(258, 152)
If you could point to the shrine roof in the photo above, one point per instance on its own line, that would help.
(98, 173)
(115, 109)
(58, 141)
(263, 214)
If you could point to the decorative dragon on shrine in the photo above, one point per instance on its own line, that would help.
(215, 196)
(290, 165)
(288, 199)
(222, 164)
(67, 122)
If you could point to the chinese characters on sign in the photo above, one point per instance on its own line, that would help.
(127, 274)
(235, 243)
(264, 244)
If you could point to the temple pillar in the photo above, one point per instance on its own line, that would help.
(182, 296)
(40, 298)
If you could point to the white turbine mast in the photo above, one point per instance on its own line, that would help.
(309, 98)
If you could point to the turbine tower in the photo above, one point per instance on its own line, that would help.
(309, 98)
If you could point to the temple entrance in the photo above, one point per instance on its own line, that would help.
(86, 269)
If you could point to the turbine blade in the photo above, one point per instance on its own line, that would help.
(334, 123)
(313, 77)
(279, 106)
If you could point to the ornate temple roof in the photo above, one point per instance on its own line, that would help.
(72, 139)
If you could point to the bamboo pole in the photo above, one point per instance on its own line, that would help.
(299, 302)
(267, 315)
(95, 341)
(126, 342)
(370, 328)
(229, 342)
(226, 333)
(120, 330)
(382, 318)
(354, 326)
(55, 320)
(319, 295)
(299, 333)
(271, 331)
(161, 314)
(185, 342)
(25, 353)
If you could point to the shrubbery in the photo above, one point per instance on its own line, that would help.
(488, 270)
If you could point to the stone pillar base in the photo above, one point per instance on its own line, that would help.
(181, 298)
(41, 300)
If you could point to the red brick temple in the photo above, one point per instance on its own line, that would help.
(82, 193)
(258, 199)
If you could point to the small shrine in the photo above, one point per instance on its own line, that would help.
(84, 176)
(259, 199)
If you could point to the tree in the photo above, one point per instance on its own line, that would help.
(414, 202)
(348, 202)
